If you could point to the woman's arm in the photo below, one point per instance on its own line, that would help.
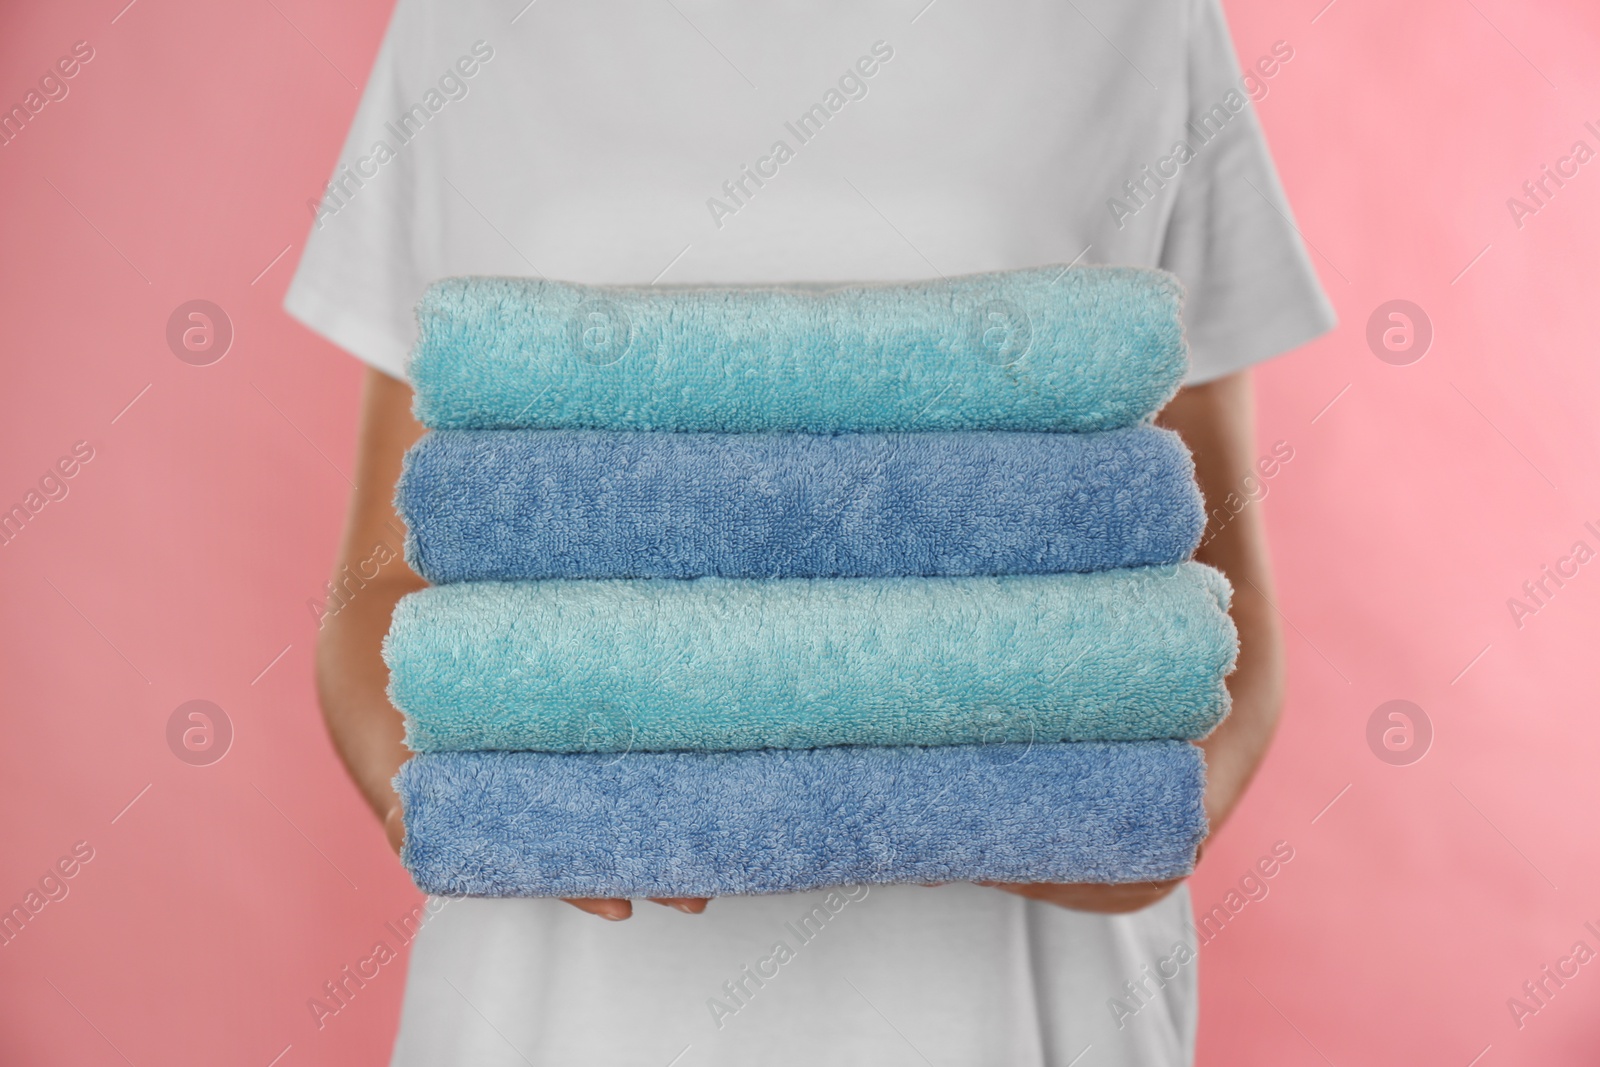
(351, 675)
(1217, 422)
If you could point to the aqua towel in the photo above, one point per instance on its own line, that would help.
(510, 504)
(698, 824)
(724, 664)
(1046, 348)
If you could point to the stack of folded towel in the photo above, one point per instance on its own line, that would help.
(763, 590)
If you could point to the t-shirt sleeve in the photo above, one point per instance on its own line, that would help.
(364, 265)
(1251, 290)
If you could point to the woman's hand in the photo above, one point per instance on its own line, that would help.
(370, 578)
(1109, 899)
(1217, 422)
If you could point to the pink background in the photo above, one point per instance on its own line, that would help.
(179, 565)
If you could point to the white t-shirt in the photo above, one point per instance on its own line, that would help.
(684, 141)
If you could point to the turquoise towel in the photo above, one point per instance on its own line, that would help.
(723, 664)
(718, 824)
(1046, 348)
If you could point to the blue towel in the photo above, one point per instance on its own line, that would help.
(721, 664)
(699, 824)
(509, 504)
(1041, 349)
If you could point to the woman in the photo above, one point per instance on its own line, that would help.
(640, 143)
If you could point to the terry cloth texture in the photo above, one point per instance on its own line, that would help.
(720, 664)
(1048, 348)
(719, 824)
(510, 504)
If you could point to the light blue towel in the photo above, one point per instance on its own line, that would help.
(1047, 348)
(723, 664)
(699, 824)
(510, 504)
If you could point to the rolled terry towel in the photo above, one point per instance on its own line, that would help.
(1046, 348)
(509, 504)
(701, 824)
(721, 664)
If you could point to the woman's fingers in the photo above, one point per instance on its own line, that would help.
(1106, 899)
(394, 825)
(692, 905)
(615, 910)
